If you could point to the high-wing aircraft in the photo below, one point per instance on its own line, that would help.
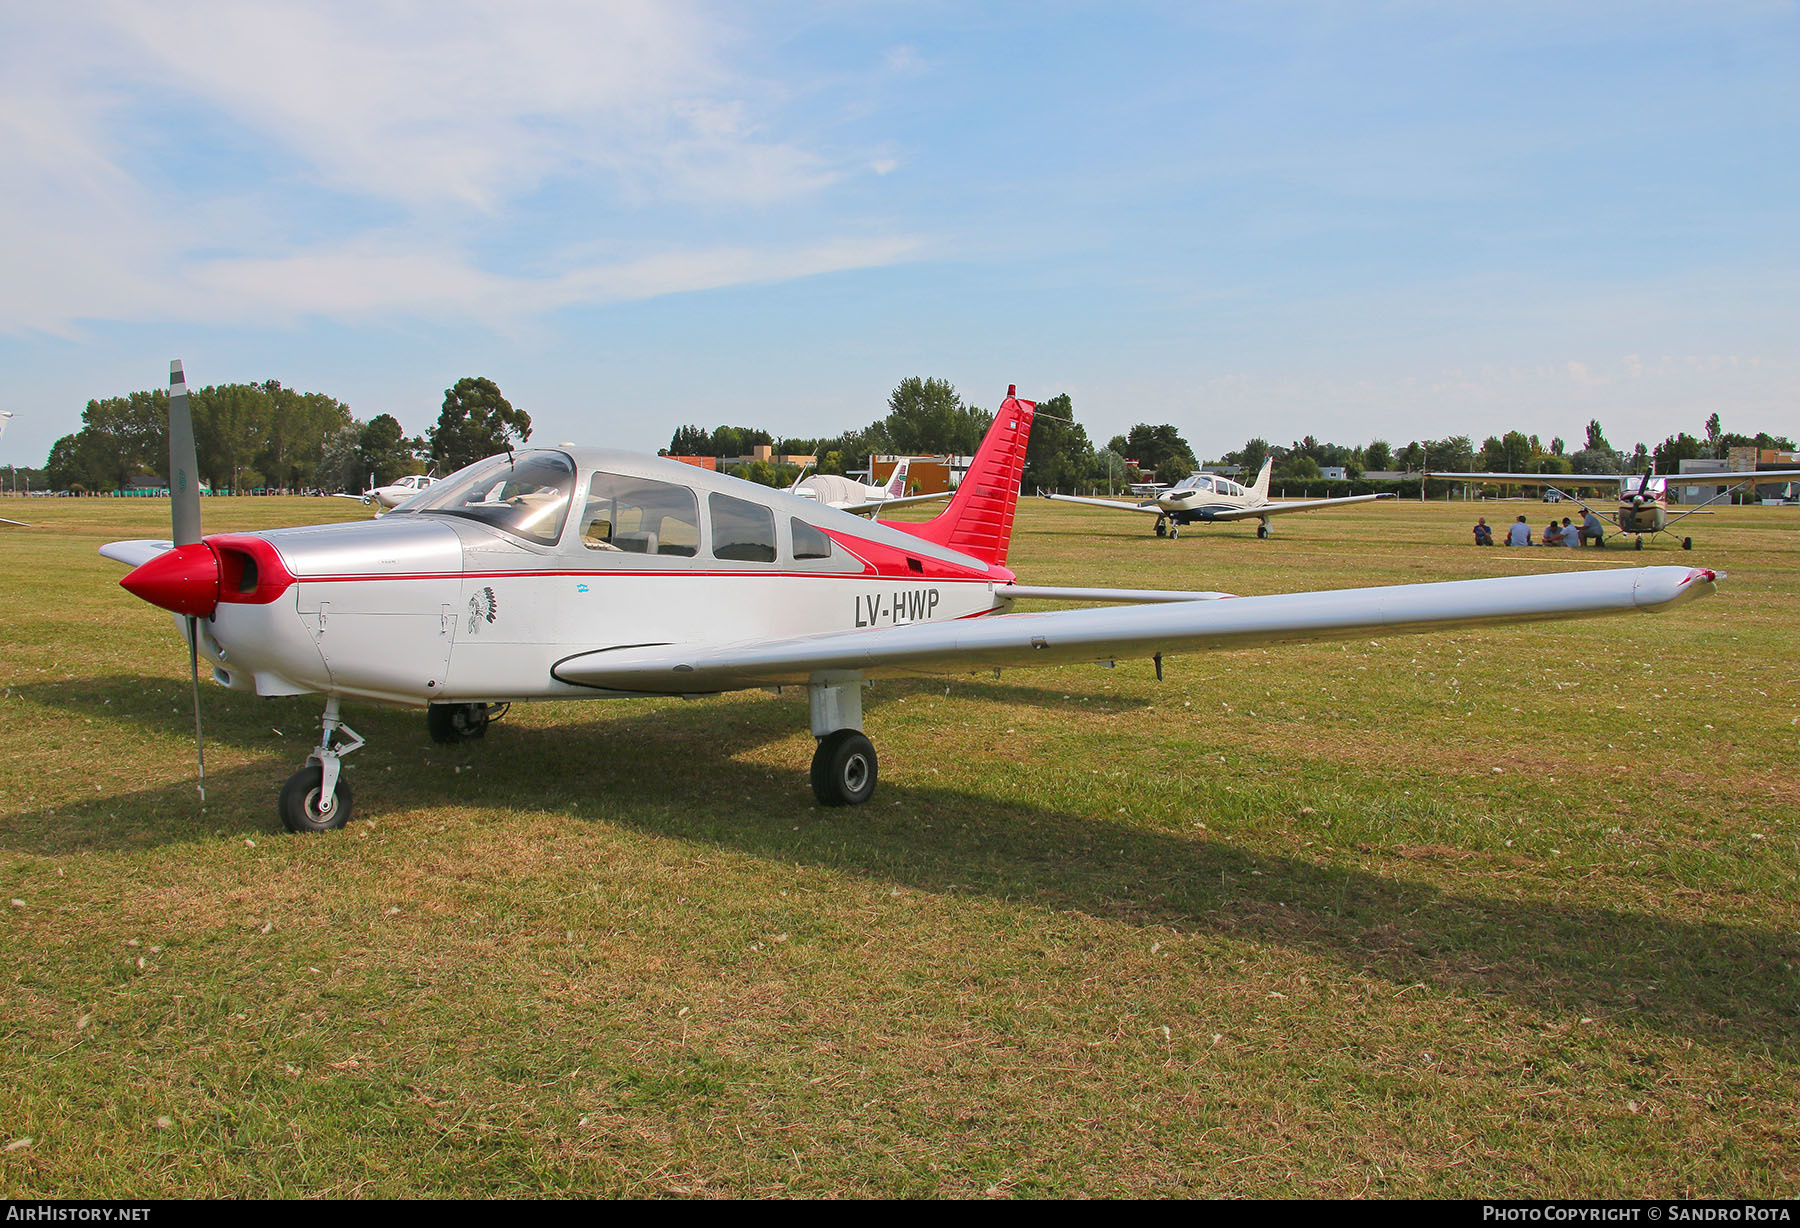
(849, 495)
(393, 495)
(1207, 498)
(1643, 501)
(566, 573)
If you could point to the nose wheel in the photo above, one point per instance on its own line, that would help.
(306, 807)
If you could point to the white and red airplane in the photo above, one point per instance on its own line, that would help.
(566, 573)
(849, 495)
(395, 493)
(1643, 503)
(1209, 498)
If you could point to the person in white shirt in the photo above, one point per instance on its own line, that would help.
(1519, 534)
(1571, 536)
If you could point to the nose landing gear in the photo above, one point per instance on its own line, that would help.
(315, 799)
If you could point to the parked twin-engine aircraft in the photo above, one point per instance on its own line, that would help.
(1206, 498)
(1643, 500)
(565, 573)
(849, 495)
(393, 495)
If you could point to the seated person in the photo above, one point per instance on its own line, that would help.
(1519, 534)
(1553, 533)
(1571, 534)
(1484, 532)
(1592, 530)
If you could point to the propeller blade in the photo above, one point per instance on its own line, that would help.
(194, 668)
(184, 489)
(1644, 485)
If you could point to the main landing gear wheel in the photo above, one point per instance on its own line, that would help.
(304, 809)
(1687, 543)
(1162, 526)
(1262, 532)
(843, 769)
(458, 722)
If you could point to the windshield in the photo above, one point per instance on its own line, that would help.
(525, 494)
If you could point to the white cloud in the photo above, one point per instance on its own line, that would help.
(140, 141)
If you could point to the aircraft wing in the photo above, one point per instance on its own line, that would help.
(1543, 479)
(878, 505)
(1280, 507)
(1062, 636)
(22, 524)
(1151, 508)
(358, 498)
(135, 553)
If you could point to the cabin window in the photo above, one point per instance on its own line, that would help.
(743, 531)
(640, 516)
(809, 542)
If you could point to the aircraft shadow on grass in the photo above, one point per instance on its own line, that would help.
(677, 771)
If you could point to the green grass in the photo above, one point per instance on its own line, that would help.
(1508, 913)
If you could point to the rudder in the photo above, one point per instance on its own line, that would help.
(979, 520)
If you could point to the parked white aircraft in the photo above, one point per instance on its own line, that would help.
(393, 495)
(1207, 498)
(1643, 501)
(6, 417)
(563, 573)
(849, 495)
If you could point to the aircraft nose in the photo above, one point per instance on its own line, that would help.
(185, 580)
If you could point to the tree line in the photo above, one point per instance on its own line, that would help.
(260, 436)
(264, 436)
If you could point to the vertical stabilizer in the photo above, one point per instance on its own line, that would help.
(1261, 489)
(896, 484)
(979, 520)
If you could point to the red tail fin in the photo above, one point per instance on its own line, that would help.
(979, 519)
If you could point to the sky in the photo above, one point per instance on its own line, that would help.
(1354, 221)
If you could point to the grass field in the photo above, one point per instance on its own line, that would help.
(1509, 913)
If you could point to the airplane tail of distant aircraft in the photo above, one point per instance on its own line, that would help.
(979, 519)
(1261, 488)
(896, 486)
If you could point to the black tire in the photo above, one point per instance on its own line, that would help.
(449, 723)
(844, 769)
(1262, 531)
(1687, 543)
(1640, 543)
(1174, 531)
(1162, 527)
(300, 802)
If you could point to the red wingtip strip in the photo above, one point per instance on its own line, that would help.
(185, 580)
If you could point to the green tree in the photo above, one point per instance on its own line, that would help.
(926, 417)
(383, 449)
(1676, 448)
(476, 421)
(689, 441)
(1596, 438)
(1378, 455)
(1058, 456)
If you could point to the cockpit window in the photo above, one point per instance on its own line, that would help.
(742, 531)
(526, 494)
(640, 516)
